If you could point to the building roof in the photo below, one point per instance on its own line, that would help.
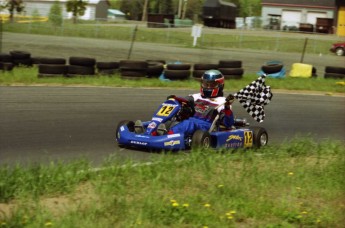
(301, 3)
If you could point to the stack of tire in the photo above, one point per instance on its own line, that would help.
(133, 69)
(155, 68)
(231, 69)
(332, 72)
(200, 68)
(107, 68)
(178, 71)
(6, 63)
(272, 68)
(21, 58)
(81, 66)
(51, 67)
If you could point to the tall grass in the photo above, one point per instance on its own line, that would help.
(28, 76)
(298, 184)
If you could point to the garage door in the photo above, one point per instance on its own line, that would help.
(291, 18)
(311, 17)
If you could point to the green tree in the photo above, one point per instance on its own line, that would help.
(77, 7)
(13, 6)
(55, 14)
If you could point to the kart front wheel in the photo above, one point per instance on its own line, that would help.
(260, 137)
(130, 125)
(201, 139)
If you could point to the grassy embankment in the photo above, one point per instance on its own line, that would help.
(298, 184)
(28, 76)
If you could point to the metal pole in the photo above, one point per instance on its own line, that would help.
(132, 43)
(304, 47)
(0, 34)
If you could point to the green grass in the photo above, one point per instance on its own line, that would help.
(223, 39)
(297, 184)
(28, 76)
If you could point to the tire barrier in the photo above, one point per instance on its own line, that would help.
(154, 68)
(133, 69)
(107, 68)
(21, 58)
(52, 70)
(231, 69)
(178, 71)
(6, 66)
(81, 66)
(200, 68)
(332, 72)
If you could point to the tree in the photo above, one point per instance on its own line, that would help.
(77, 7)
(12, 6)
(55, 14)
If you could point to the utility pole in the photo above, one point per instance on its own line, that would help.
(144, 17)
(179, 11)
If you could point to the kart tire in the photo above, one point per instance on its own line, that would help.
(272, 68)
(53, 61)
(130, 125)
(201, 139)
(233, 76)
(6, 66)
(4, 57)
(20, 54)
(231, 71)
(52, 69)
(133, 64)
(107, 65)
(177, 74)
(74, 70)
(336, 70)
(260, 137)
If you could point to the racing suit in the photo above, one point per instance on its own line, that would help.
(204, 114)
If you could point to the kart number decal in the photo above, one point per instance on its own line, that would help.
(248, 139)
(165, 110)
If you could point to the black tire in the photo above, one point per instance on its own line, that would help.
(197, 74)
(340, 51)
(82, 61)
(182, 66)
(205, 66)
(133, 64)
(231, 71)
(107, 65)
(130, 125)
(177, 74)
(54, 61)
(23, 62)
(230, 64)
(238, 76)
(6, 66)
(155, 70)
(272, 68)
(107, 71)
(201, 139)
(334, 76)
(52, 69)
(336, 70)
(20, 54)
(73, 70)
(41, 75)
(133, 73)
(4, 57)
(260, 137)
(156, 60)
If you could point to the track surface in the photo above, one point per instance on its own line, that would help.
(41, 124)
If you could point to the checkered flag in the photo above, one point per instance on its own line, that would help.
(254, 97)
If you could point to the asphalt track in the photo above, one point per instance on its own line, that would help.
(43, 124)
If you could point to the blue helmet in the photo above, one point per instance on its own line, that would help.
(212, 84)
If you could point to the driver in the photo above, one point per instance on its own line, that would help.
(205, 106)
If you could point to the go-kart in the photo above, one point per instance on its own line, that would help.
(170, 113)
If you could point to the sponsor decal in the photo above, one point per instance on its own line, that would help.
(233, 145)
(157, 119)
(234, 137)
(152, 125)
(139, 143)
(141, 136)
(172, 143)
(173, 136)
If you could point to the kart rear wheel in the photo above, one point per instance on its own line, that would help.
(260, 137)
(201, 139)
(130, 125)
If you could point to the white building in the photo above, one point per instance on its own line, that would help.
(95, 9)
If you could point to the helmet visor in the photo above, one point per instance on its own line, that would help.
(209, 84)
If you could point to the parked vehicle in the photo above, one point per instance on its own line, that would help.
(338, 48)
(219, 13)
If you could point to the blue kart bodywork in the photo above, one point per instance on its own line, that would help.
(239, 137)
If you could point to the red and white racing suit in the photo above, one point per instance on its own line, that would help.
(205, 113)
